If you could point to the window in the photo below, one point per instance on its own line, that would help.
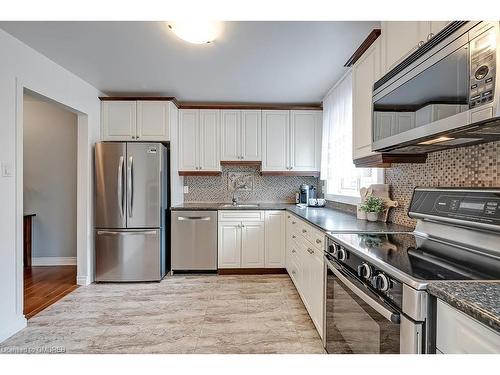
(343, 179)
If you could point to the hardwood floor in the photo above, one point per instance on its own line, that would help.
(44, 285)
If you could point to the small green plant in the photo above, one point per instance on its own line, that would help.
(373, 204)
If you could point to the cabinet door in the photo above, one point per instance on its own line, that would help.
(209, 140)
(251, 130)
(275, 139)
(275, 239)
(405, 121)
(118, 120)
(252, 245)
(305, 140)
(188, 139)
(316, 289)
(401, 38)
(230, 135)
(385, 124)
(229, 244)
(153, 121)
(364, 73)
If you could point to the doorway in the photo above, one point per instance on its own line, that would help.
(50, 140)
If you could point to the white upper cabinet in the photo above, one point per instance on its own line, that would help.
(251, 130)
(230, 131)
(153, 120)
(275, 140)
(305, 140)
(118, 120)
(188, 139)
(364, 73)
(291, 140)
(209, 140)
(401, 38)
(129, 120)
(241, 135)
(199, 135)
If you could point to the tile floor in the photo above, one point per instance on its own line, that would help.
(182, 314)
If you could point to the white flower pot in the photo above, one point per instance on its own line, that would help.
(372, 216)
(361, 215)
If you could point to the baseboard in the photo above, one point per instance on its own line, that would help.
(252, 271)
(82, 280)
(53, 261)
(12, 327)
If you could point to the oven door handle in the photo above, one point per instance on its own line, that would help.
(391, 315)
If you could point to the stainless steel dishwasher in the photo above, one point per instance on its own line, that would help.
(194, 241)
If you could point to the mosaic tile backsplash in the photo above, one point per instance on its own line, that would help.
(264, 188)
(474, 166)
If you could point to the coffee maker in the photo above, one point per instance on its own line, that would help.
(306, 192)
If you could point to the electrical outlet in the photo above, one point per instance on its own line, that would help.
(6, 169)
(186, 189)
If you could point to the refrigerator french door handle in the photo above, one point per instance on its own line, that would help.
(120, 186)
(130, 185)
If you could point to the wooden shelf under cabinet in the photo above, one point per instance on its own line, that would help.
(200, 173)
(290, 173)
(385, 160)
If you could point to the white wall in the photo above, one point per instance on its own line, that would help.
(21, 66)
(49, 175)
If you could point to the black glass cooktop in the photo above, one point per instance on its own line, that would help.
(421, 258)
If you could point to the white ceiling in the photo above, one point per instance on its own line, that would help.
(279, 62)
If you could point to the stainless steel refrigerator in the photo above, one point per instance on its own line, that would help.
(131, 205)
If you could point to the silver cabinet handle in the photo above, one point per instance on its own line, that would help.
(293, 236)
(130, 185)
(293, 251)
(420, 44)
(121, 233)
(310, 251)
(193, 218)
(304, 231)
(120, 185)
(293, 272)
(318, 240)
(430, 36)
(294, 222)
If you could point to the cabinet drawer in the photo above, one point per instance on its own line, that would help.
(314, 236)
(241, 215)
(457, 333)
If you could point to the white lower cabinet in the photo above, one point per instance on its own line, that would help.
(458, 333)
(275, 239)
(252, 245)
(241, 239)
(305, 265)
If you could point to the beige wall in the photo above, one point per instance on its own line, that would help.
(50, 175)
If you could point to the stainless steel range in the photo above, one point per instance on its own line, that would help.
(376, 299)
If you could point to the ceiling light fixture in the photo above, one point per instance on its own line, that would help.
(196, 31)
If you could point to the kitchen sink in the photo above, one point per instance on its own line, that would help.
(240, 205)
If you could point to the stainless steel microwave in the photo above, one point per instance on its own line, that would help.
(443, 95)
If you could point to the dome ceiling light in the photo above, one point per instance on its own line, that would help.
(196, 32)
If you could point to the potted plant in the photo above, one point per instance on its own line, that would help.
(373, 206)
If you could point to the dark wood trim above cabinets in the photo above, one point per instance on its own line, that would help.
(290, 173)
(210, 105)
(241, 163)
(370, 39)
(142, 98)
(200, 173)
(263, 106)
(385, 160)
(252, 271)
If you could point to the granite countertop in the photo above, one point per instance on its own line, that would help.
(326, 219)
(478, 299)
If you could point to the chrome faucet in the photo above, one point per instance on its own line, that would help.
(234, 200)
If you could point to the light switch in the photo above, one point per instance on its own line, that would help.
(6, 169)
(186, 189)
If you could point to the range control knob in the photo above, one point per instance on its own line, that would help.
(341, 254)
(381, 282)
(333, 248)
(365, 271)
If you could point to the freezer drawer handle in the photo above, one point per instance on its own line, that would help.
(192, 218)
(117, 233)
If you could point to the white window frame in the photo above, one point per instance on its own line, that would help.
(351, 199)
